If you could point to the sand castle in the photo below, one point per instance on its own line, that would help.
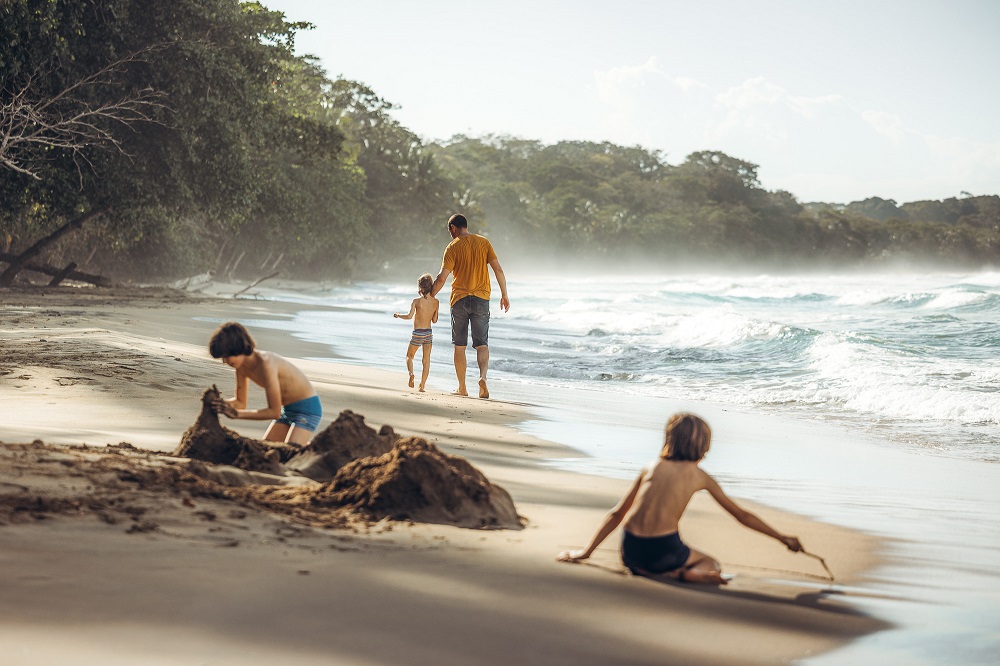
(373, 474)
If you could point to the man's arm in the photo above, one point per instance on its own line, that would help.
(502, 281)
(439, 281)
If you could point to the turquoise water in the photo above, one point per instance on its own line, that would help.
(869, 401)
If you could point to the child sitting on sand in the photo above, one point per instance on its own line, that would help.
(424, 312)
(292, 402)
(653, 506)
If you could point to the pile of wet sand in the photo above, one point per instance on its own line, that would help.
(375, 474)
(349, 474)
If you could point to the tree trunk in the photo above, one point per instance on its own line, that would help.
(97, 280)
(59, 277)
(7, 277)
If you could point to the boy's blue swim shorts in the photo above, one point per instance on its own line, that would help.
(302, 413)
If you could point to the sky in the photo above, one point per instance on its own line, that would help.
(836, 101)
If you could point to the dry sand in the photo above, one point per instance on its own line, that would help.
(100, 565)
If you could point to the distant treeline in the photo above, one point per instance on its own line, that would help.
(600, 199)
(186, 136)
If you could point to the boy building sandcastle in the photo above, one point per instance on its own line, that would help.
(292, 403)
(423, 312)
(653, 506)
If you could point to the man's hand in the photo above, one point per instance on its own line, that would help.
(504, 303)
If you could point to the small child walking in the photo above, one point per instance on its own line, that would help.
(423, 312)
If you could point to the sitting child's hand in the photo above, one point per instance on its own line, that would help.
(220, 406)
(571, 556)
(792, 543)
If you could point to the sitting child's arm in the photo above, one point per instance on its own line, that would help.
(747, 518)
(611, 521)
(409, 315)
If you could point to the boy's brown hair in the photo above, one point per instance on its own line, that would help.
(425, 283)
(688, 437)
(230, 339)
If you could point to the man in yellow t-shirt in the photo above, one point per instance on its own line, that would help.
(466, 258)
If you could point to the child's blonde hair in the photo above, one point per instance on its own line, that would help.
(688, 437)
(425, 283)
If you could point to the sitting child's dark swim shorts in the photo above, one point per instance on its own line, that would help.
(659, 554)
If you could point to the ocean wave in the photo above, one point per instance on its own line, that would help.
(720, 328)
(952, 300)
(868, 378)
(913, 355)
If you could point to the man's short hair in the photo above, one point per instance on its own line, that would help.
(459, 221)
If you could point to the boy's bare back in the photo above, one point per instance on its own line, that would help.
(292, 382)
(425, 311)
(672, 483)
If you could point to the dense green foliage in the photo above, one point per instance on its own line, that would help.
(245, 157)
(596, 200)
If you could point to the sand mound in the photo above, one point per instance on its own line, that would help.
(343, 441)
(210, 441)
(373, 474)
(414, 481)
(417, 481)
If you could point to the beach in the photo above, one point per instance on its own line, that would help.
(210, 581)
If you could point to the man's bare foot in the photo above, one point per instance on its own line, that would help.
(461, 391)
(483, 391)
(411, 380)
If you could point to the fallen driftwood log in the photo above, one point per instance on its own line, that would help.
(256, 282)
(72, 274)
(20, 261)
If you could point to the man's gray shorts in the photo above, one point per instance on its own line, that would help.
(470, 310)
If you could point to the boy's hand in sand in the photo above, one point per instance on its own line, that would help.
(220, 406)
(792, 543)
(572, 556)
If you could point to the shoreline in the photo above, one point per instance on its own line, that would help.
(142, 387)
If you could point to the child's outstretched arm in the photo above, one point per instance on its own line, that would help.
(747, 518)
(611, 521)
(409, 315)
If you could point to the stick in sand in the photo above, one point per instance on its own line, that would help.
(821, 561)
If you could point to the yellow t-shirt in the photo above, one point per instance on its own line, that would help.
(468, 258)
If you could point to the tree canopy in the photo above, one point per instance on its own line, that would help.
(187, 136)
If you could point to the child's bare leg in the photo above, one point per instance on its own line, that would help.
(411, 351)
(299, 436)
(701, 568)
(460, 370)
(425, 361)
(276, 432)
